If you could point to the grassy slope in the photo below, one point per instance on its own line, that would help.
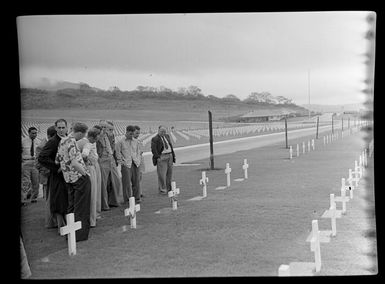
(129, 107)
(248, 230)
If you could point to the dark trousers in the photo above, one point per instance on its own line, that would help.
(130, 181)
(79, 202)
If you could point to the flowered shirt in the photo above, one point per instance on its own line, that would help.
(67, 152)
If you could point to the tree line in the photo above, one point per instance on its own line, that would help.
(190, 93)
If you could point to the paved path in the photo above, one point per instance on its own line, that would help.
(201, 151)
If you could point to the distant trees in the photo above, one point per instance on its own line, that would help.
(84, 86)
(146, 89)
(191, 92)
(213, 98)
(114, 89)
(266, 97)
(182, 91)
(194, 91)
(231, 98)
(283, 100)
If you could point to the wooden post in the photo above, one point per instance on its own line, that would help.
(211, 141)
(286, 133)
(227, 172)
(291, 153)
(245, 166)
(204, 182)
(342, 123)
(316, 135)
(315, 245)
(333, 219)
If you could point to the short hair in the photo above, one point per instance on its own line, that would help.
(32, 128)
(51, 131)
(103, 123)
(136, 127)
(93, 133)
(79, 127)
(61, 120)
(130, 128)
(98, 127)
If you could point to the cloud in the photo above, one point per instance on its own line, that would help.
(221, 53)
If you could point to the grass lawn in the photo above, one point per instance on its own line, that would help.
(248, 229)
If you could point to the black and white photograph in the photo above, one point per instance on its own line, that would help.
(197, 145)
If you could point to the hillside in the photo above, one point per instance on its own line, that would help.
(90, 99)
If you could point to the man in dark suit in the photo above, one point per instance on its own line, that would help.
(163, 157)
(56, 185)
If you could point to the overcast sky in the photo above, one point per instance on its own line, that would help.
(234, 53)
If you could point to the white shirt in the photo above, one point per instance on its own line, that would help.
(165, 141)
(89, 151)
(128, 152)
(26, 147)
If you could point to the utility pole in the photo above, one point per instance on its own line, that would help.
(211, 141)
(287, 145)
(308, 88)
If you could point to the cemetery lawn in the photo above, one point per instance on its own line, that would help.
(249, 229)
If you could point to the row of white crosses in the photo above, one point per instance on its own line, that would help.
(310, 146)
(245, 166)
(316, 236)
(227, 131)
(331, 137)
(71, 227)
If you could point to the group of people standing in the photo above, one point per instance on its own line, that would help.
(84, 171)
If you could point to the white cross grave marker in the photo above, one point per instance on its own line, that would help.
(173, 193)
(357, 168)
(356, 177)
(204, 182)
(297, 150)
(303, 147)
(343, 198)
(312, 144)
(366, 157)
(308, 146)
(315, 245)
(227, 172)
(327, 139)
(70, 230)
(290, 152)
(347, 187)
(350, 179)
(245, 167)
(332, 213)
(131, 211)
(361, 164)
